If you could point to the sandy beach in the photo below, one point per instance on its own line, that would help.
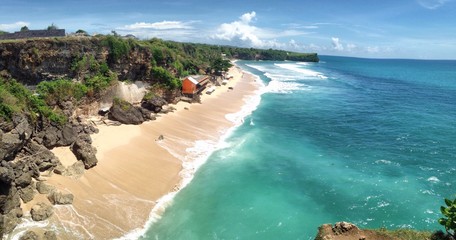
(136, 169)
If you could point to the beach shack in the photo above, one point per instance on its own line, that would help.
(195, 84)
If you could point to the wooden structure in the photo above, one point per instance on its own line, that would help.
(193, 85)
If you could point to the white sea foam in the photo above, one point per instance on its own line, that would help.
(196, 155)
(285, 87)
(304, 72)
(387, 162)
(433, 179)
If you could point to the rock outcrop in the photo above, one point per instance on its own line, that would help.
(41, 211)
(60, 198)
(154, 103)
(25, 154)
(125, 112)
(85, 152)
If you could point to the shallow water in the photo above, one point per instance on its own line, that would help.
(346, 139)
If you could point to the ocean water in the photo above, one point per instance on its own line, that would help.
(371, 142)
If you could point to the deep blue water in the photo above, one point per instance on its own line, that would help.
(361, 140)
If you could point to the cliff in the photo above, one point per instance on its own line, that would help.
(34, 60)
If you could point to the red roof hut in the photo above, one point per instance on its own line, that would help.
(192, 85)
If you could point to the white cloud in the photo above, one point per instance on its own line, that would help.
(247, 17)
(164, 25)
(172, 30)
(432, 4)
(242, 32)
(351, 47)
(373, 49)
(337, 45)
(13, 26)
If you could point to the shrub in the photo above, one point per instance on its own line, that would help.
(61, 90)
(449, 219)
(15, 98)
(98, 82)
(165, 77)
(117, 47)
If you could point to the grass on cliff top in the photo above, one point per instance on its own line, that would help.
(404, 234)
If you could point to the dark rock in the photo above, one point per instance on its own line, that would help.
(59, 169)
(125, 112)
(49, 235)
(10, 221)
(89, 129)
(43, 157)
(44, 188)
(57, 136)
(6, 174)
(41, 211)
(85, 137)
(27, 193)
(24, 179)
(76, 170)
(57, 197)
(85, 153)
(29, 235)
(154, 104)
(147, 115)
(9, 199)
(10, 143)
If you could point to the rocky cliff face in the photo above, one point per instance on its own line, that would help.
(35, 60)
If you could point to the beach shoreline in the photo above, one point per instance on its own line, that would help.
(138, 172)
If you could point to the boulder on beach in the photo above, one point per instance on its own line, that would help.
(59, 198)
(41, 211)
(153, 103)
(85, 152)
(125, 112)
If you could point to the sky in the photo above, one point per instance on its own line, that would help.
(418, 29)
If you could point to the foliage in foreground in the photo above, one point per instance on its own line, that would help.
(449, 219)
(15, 98)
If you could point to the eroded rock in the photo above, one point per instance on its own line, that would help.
(41, 211)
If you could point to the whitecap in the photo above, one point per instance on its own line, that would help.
(303, 71)
(285, 87)
(433, 179)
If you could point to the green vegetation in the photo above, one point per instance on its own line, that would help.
(3, 32)
(166, 78)
(117, 47)
(82, 32)
(60, 90)
(449, 219)
(219, 65)
(15, 98)
(24, 28)
(148, 96)
(52, 27)
(404, 234)
(124, 105)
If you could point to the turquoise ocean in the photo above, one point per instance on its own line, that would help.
(367, 141)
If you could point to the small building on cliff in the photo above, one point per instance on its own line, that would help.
(193, 85)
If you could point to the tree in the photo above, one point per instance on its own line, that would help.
(24, 28)
(52, 27)
(82, 32)
(219, 65)
(449, 221)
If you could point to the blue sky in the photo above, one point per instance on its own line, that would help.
(422, 29)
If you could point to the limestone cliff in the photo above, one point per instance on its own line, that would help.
(32, 61)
